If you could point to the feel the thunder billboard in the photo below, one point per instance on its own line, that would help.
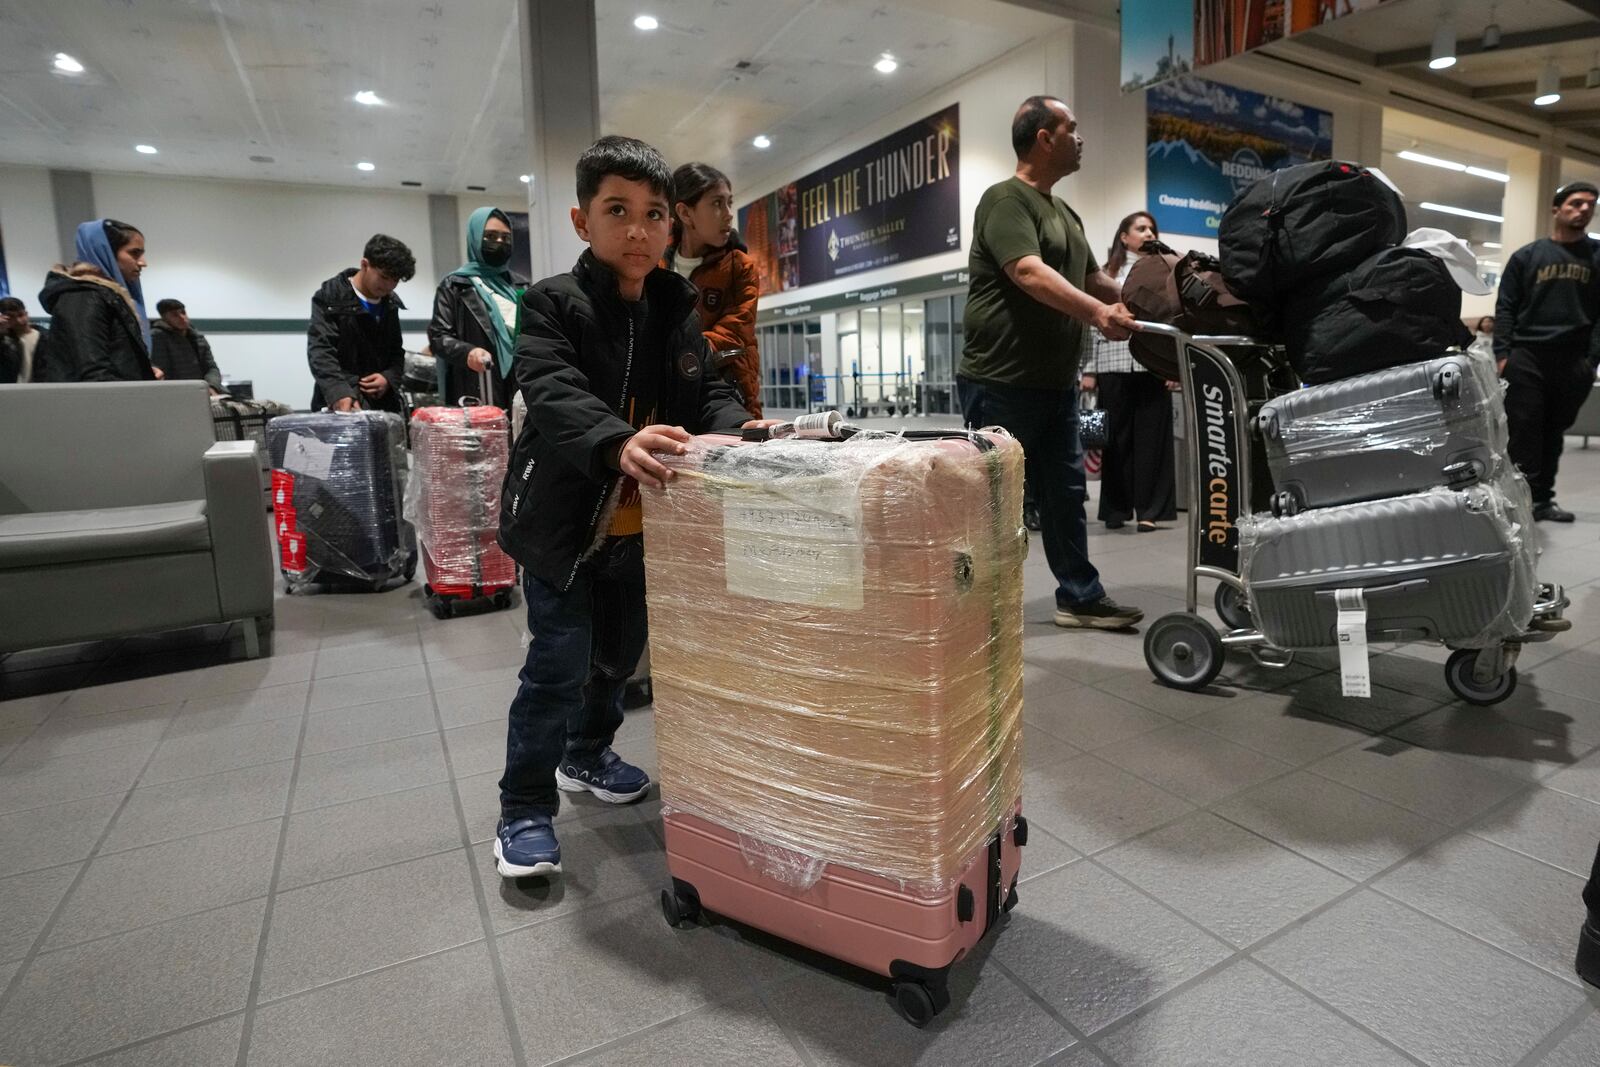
(897, 199)
(1205, 142)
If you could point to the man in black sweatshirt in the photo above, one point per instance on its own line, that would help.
(1545, 341)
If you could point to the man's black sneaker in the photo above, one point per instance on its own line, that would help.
(1589, 953)
(1102, 614)
(1551, 512)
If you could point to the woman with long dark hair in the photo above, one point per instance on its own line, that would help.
(99, 331)
(1136, 476)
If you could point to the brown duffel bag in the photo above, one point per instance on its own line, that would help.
(1186, 291)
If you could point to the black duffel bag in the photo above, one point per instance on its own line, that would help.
(1303, 224)
(1400, 306)
(1186, 291)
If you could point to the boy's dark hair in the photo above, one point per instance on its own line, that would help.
(168, 304)
(10, 305)
(1034, 115)
(120, 233)
(624, 157)
(690, 182)
(390, 256)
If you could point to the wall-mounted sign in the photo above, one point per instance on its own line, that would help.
(896, 200)
(1205, 142)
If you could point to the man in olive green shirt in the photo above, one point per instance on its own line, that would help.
(1034, 285)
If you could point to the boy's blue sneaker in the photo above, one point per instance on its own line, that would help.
(605, 774)
(526, 847)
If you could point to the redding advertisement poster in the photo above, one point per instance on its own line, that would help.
(1205, 142)
(896, 200)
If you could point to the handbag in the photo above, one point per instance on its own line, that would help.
(1091, 422)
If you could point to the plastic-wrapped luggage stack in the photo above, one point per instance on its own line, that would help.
(459, 458)
(338, 482)
(836, 630)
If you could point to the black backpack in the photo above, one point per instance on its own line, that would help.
(1400, 306)
(1302, 224)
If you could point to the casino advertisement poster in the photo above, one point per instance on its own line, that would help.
(896, 200)
(1205, 142)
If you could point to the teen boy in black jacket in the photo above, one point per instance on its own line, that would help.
(353, 344)
(613, 366)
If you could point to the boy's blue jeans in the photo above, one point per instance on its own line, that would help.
(586, 642)
(1045, 424)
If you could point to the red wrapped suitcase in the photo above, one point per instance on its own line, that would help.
(836, 633)
(459, 459)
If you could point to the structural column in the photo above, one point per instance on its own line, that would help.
(561, 117)
(73, 194)
(1535, 173)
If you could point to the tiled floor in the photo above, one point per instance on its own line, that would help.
(211, 861)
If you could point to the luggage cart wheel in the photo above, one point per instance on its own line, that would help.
(679, 906)
(1231, 608)
(1458, 676)
(1183, 650)
(914, 1003)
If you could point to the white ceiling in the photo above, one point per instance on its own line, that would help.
(211, 83)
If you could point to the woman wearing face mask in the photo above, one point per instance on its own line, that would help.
(475, 315)
(1136, 477)
(99, 331)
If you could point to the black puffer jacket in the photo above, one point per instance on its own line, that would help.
(344, 344)
(461, 323)
(94, 333)
(574, 366)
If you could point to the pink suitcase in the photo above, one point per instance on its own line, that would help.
(840, 727)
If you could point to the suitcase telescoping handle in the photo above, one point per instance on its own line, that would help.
(1411, 585)
(829, 426)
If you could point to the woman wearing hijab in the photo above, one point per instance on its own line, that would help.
(99, 331)
(475, 314)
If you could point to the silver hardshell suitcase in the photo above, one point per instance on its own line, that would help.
(1384, 434)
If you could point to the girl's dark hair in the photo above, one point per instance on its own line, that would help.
(1118, 254)
(689, 183)
(120, 233)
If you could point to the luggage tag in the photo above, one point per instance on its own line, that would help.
(1355, 672)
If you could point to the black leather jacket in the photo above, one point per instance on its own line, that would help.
(461, 323)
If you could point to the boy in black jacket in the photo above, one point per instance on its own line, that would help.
(353, 344)
(612, 364)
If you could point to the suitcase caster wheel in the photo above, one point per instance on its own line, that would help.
(1231, 608)
(679, 908)
(440, 607)
(502, 599)
(1011, 899)
(1458, 676)
(914, 1003)
(1183, 651)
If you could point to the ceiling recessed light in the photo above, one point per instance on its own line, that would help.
(1432, 161)
(524, 178)
(646, 22)
(369, 98)
(886, 64)
(1463, 212)
(364, 165)
(145, 149)
(67, 65)
(762, 141)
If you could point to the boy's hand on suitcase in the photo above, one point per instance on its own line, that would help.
(159, 373)
(345, 403)
(637, 462)
(374, 385)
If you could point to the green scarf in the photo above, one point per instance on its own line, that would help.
(490, 280)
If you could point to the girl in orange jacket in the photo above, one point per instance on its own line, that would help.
(706, 249)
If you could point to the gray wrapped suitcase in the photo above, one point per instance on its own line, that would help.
(1384, 434)
(1438, 565)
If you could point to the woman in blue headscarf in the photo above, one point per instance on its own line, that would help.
(99, 331)
(475, 315)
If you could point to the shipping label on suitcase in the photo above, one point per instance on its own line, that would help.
(836, 639)
(459, 457)
(337, 488)
(1385, 434)
(1440, 565)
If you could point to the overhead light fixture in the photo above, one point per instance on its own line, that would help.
(1491, 33)
(1443, 55)
(646, 22)
(1432, 161)
(145, 149)
(1493, 244)
(369, 98)
(1548, 89)
(67, 65)
(761, 140)
(524, 178)
(364, 165)
(886, 64)
(1463, 212)
(1492, 175)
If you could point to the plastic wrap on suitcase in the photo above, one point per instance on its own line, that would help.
(459, 457)
(836, 648)
(338, 481)
(1450, 566)
(1388, 433)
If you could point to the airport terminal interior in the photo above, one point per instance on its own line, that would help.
(272, 841)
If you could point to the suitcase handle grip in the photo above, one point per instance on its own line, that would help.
(1411, 585)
